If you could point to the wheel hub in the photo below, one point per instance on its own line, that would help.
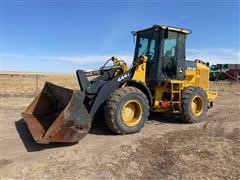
(197, 105)
(131, 113)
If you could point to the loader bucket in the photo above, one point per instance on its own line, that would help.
(57, 114)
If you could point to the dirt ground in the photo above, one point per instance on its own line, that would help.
(164, 149)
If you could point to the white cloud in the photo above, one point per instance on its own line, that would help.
(91, 58)
(212, 55)
(215, 55)
(81, 59)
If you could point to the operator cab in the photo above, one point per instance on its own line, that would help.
(165, 48)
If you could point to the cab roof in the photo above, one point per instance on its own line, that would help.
(171, 28)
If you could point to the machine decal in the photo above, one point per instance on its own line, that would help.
(123, 77)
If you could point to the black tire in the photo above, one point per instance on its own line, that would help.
(114, 105)
(188, 95)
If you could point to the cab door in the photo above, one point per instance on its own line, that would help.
(147, 45)
(173, 56)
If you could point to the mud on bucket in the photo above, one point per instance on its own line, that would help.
(57, 114)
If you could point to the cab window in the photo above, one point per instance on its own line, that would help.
(169, 58)
(169, 49)
(147, 47)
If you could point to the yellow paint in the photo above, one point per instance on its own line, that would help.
(179, 30)
(185, 31)
(197, 105)
(198, 77)
(140, 71)
(131, 113)
(124, 66)
(115, 61)
(121, 63)
(158, 97)
(193, 77)
(212, 95)
(173, 88)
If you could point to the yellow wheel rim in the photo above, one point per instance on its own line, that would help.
(131, 113)
(197, 105)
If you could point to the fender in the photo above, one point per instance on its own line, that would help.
(142, 86)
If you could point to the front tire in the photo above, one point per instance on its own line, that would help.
(194, 104)
(126, 110)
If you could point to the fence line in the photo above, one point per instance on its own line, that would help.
(15, 75)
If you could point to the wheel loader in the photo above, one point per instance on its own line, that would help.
(160, 79)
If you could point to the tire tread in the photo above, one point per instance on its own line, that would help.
(112, 102)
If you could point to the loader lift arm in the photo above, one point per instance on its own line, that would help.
(99, 89)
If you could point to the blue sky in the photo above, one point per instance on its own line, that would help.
(62, 36)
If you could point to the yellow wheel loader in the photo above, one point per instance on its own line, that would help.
(159, 80)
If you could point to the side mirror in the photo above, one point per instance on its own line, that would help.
(166, 33)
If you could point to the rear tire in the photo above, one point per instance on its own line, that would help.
(126, 110)
(194, 104)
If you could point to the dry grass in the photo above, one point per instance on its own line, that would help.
(27, 85)
(21, 86)
(18, 90)
(225, 87)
